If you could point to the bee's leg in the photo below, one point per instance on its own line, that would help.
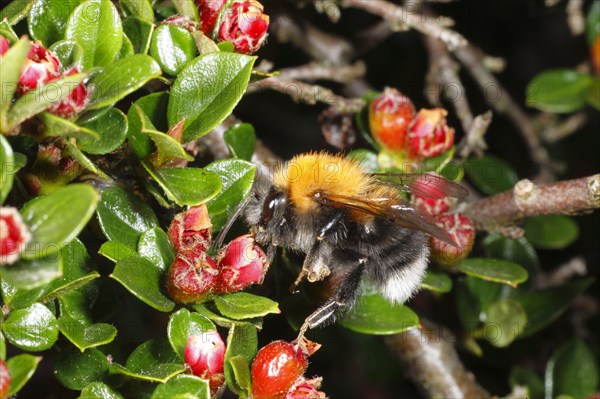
(344, 296)
(271, 252)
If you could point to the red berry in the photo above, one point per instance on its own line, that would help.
(191, 230)
(185, 22)
(208, 11)
(245, 25)
(205, 354)
(4, 380)
(191, 277)
(390, 115)
(462, 231)
(75, 102)
(429, 135)
(41, 67)
(14, 235)
(241, 263)
(275, 369)
(306, 389)
(4, 45)
(595, 50)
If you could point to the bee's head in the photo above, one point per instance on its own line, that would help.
(265, 213)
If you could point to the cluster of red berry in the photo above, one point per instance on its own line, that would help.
(42, 67)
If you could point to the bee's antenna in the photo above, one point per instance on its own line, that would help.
(218, 243)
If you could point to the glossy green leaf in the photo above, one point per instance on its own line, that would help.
(241, 140)
(505, 321)
(48, 19)
(75, 370)
(69, 52)
(525, 377)
(2, 346)
(55, 126)
(56, 219)
(30, 274)
(139, 31)
(558, 90)
(551, 232)
(187, 186)
(7, 168)
(168, 148)
(366, 158)
(99, 390)
(7, 31)
(112, 129)
(496, 270)
(123, 217)
(183, 386)
(116, 251)
(96, 26)
(154, 245)
(437, 163)
(74, 152)
(237, 177)
(121, 78)
(593, 22)
(374, 315)
(545, 306)
(241, 376)
(242, 305)
(220, 320)
(593, 94)
(184, 324)
(126, 49)
(10, 70)
(42, 98)
(21, 369)
(139, 8)
(572, 370)
(144, 280)
(517, 251)
(32, 329)
(149, 112)
(154, 360)
(16, 11)
(172, 47)
(491, 175)
(242, 342)
(187, 8)
(207, 90)
(437, 282)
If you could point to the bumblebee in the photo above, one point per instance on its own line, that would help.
(351, 225)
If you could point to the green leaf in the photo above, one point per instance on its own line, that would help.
(112, 128)
(7, 31)
(57, 218)
(123, 217)
(186, 186)
(207, 90)
(116, 251)
(241, 140)
(32, 329)
(154, 360)
(42, 98)
(168, 148)
(69, 53)
(242, 305)
(219, 320)
(2, 347)
(30, 274)
(187, 8)
(126, 49)
(98, 390)
(7, 168)
(75, 370)
(551, 232)
(139, 31)
(86, 163)
(593, 94)
(496, 270)
(242, 342)
(149, 112)
(572, 370)
(241, 375)
(374, 315)
(96, 26)
(437, 282)
(505, 321)
(10, 71)
(55, 126)
(16, 11)
(525, 377)
(558, 90)
(184, 324)
(21, 368)
(172, 47)
(439, 162)
(517, 251)
(48, 20)
(139, 8)
(144, 280)
(121, 78)
(491, 175)
(366, 158)
(154, 245)
(237, 177)
(183, 386)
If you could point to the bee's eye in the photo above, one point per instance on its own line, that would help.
(273, 200)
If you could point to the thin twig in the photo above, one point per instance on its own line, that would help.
(575, 17)
(556, 130)
(473, 142)
(315, 71)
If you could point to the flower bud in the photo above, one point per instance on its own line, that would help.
(241, 263)
(4, 45)
(208, 11)
(429, 134)
(14, 235)
(191, 230)
(390, 115)
(41, 67)
(185, 22)
(306, 389)
(462, 231)
(433, 206)
(205, 355)
(191, 277)
(75, 102)
(245, 25)
(276, 368)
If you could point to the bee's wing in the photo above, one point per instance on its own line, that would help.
(423, 184)
(399, 212)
